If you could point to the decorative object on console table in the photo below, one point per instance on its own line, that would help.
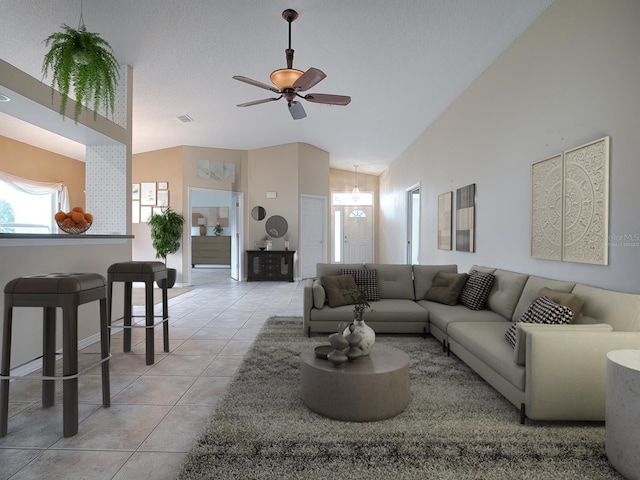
(286, 241)
(217, 230)
(270, 265)
(466, 218)
(444, 220)
(202, 222)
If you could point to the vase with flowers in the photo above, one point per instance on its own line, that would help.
(360, 306)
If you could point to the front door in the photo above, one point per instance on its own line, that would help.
(357, 221)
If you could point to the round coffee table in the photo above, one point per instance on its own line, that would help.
(372, 388)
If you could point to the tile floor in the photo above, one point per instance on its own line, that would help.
(157, 410)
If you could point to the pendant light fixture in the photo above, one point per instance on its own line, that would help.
(356, 190)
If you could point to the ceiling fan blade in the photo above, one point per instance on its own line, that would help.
(256, 83)
(297, 111)
(328, 99)
(258, 102)
(310, 78)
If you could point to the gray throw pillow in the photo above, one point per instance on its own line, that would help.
(335, 287)
(446, 287)
(319, 295)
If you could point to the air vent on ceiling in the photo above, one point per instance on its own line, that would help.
(185, 119)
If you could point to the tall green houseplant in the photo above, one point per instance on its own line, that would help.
(85, 60)
(166, 232)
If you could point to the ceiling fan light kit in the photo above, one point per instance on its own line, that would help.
(290, 81)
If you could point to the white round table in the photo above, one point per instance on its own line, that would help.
(373, 387)
(622, 440)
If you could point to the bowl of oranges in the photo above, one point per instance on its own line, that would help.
(75, 222)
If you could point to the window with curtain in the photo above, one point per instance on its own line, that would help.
(28, 206)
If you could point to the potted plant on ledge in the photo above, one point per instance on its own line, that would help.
(166, 233)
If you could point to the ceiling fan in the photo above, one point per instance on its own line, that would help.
(289, 82)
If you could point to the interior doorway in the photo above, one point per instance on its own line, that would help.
(413, 224)
(215, 223)
(313, 234)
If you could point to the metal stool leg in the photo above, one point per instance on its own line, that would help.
(104, 353)
(165, 316)
(149, 319)
(70, 367)
(48, 355)
(127, 317)
(4, 367)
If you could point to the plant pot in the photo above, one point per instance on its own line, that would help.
(172, 274)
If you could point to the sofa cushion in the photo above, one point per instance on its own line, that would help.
(319, 295)
(446, 288)
(423, 276)
(506, 291)
(571, 300)
(531, 289)
(326, 269)
(394, 280)
(485, 340)
(335, 286)
(444, 315)
(618, 309)
(480, 268)
(543, 310)
(476, 290)
(366, 279)
(520, 351)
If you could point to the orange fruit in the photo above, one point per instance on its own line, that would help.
(81, 223)
(77, 216)
(60, 216)
(77, 209)
(88, 217)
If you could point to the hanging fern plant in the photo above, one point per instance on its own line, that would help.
(84, 60)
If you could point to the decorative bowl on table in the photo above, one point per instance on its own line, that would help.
(74, 229)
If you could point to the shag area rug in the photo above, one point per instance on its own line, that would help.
(137, 295)
(456, 426)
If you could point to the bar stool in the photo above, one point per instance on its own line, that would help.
(68, 291)
(147, 272)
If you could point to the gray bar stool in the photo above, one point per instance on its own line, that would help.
(67, 291)
(147, 272)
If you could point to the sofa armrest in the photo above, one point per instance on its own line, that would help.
(307, 303)
(566, 372)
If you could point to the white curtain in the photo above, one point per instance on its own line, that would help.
(39, 188)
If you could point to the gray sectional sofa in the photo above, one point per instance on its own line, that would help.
(555, 372)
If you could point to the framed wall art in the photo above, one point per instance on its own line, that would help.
(546, 208)
(466, 218)
(163, 185)
(163, 198)
(148, 193)
(445, 205)
(135, 191)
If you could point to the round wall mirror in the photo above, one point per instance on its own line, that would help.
(276, 226)
(258, 213)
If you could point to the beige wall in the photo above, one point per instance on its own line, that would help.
(34, 163)
(570, 78)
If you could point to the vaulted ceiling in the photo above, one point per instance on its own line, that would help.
(402, 62)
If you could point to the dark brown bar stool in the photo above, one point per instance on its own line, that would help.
(68, 291)
(147, 272)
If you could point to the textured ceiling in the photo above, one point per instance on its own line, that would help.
(402, 62)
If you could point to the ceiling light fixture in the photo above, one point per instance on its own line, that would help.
(356, 190)
(4, 98)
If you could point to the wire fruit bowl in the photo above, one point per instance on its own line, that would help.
(74, 230)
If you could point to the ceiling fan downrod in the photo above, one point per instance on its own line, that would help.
(289, 15)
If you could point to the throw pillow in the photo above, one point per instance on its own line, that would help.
(543, 311)
(366, 279)
(335, 286)
(319, 295)
(446, 288)
(571, 300)
(476, 290)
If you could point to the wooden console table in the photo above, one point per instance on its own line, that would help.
(214, 250)
(270, 265)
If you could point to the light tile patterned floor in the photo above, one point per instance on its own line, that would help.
(156, 411)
